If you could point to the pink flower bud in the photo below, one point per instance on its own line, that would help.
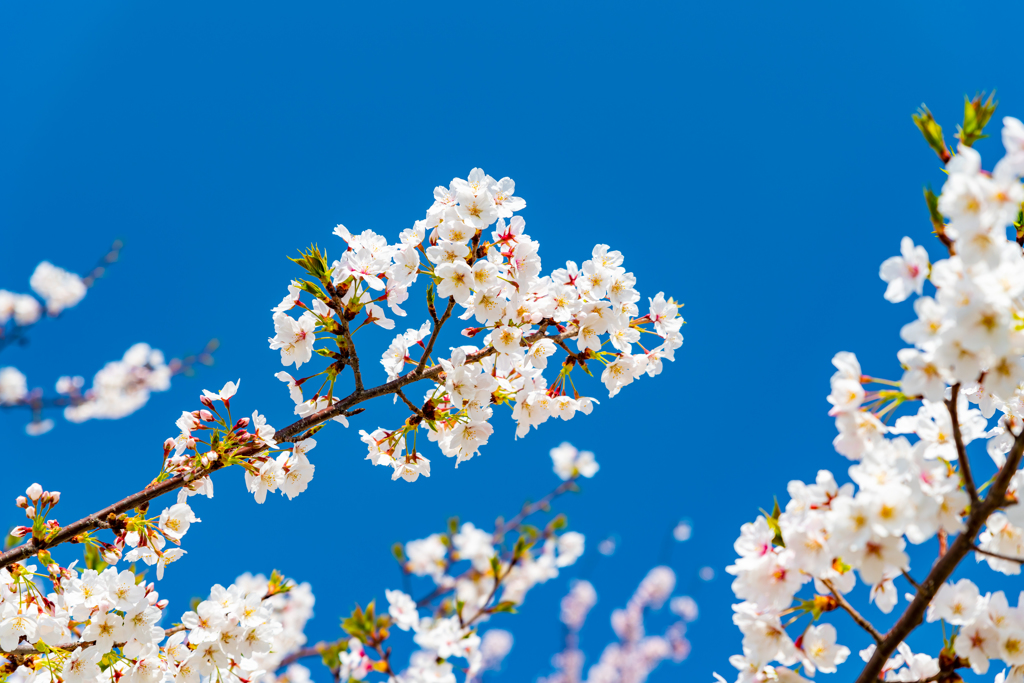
(242, 422)
(21, 502)
(168, 445)
(54, 497)
(30, 512)
(471, 331)
(162, 604)
(20, 531)
(206, 416)
(206, 402)
(34, 492)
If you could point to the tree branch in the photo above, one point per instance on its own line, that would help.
(944, 567)
(313, 651)
(346, 333)
(26, 649)
(861, 621)
(1008, 558)
(965, 464)
(286, 434)
(429, 348)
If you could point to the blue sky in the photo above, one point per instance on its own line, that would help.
(756, 162)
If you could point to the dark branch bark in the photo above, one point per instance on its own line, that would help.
(965, 464)
(944, 567)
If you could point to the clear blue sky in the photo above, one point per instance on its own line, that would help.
(755, 161)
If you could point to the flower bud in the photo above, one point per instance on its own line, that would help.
(242, 422)
(206, 402)
(21, 531)
(162, 604)
(168, 446)
(471, 331)
(21, 501)
(206, 416)
(54, 497)
(34, 492)
(30, 512)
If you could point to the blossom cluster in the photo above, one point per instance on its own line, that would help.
(104, 625)
(478, 259)
(476, 574)
(911, 480)
(636, 654)
(58, 288)
(119, 389)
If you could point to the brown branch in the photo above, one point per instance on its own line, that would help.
(346, 333)
(1008, 558)
(531, 508)
(908, 577)
(26, 649)
(412, 406)
(429, 348)
(861, 621)
(944, 567)
(313, 651)
(286, 434)
(965, 464)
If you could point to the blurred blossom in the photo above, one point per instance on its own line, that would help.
(683, 531)
(707, 573)
(577, 604)
(684, 606)
(607, 546)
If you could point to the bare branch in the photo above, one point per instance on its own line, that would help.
(965, 464)
(1008, 558)
(26, 649)
(429, 348)
(861, 621)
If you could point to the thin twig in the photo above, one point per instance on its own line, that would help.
(861, 621)
(998, 556)
(412, 406)
(26, 649)
(908, 577)
(965, 464)
(313, 651)
(429, 348)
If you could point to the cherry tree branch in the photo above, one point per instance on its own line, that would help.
(500, 529)
(1008, 558)
(965, 464)
(26, 649)
(857, 617)
(286, 434)
(429, 348)
(346, 333)
(18, 332)
(944, 567)
(312, 651)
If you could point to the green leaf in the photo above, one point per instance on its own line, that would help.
(931, 131)
(977, 113)
(504, 606)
